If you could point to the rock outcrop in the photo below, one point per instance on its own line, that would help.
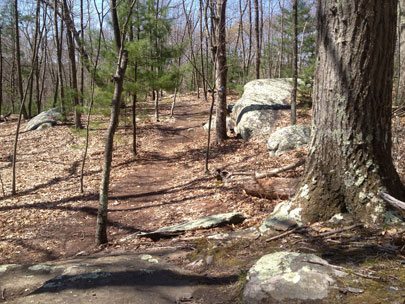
(290, 277)
(47, 118)
(258, 109)
(288, 138)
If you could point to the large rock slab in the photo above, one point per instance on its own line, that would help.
(257, 110)
(49, 118)
(288, 138)
(289, 277)
(201, 223)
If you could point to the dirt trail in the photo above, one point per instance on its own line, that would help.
(166, 186)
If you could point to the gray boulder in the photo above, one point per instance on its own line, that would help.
(49, 118)
(290, 277)
(201, 223)
(283, 217)
(257, 110)
(288, 138)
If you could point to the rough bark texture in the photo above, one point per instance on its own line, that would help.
(350, 154)
(221, 71)
(401, 91)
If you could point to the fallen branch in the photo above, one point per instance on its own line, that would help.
(392, 200)
(328, 233)
(2, 186)
(340, 268)
(281, 235)
(280, 170)
(223, 174)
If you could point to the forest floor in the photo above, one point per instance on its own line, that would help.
(165, 184)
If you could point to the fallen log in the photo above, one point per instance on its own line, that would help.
(274, 188)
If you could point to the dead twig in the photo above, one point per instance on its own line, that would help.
(2, 186)
(328, 233)
(392, 200)
(341, 268)
(281, 235)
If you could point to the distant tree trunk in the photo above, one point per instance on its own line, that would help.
(81, 96)
(22, 102)
(122, 54)
(401, 89)
(156, 105)
(204, 80)
(221, 71)
(18, 58)
(350, 155)
(257, 33)
(58, 42)
(34, 61)
(281, 50)
(72, 58)
(295, 65)
(250, 37)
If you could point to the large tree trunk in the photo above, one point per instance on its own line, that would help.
(221, 72)
(350, 154)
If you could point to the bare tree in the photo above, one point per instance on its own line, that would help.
(122, 54)
(218, 45)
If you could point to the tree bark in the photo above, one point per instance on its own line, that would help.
(221, 72)
(401, 90)
(350, 155)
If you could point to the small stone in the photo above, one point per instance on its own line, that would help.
(209, 259)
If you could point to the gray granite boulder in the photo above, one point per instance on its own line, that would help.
(283, 217)
(49, 118)
(290, 277)
(258, 109)
(288, 138)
